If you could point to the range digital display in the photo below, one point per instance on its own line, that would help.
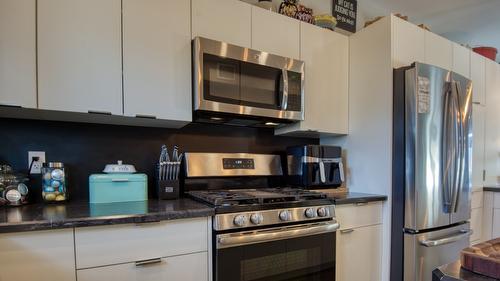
(238, 163)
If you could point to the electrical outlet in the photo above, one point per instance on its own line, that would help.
(36, 168)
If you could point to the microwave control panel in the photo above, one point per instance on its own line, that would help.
(238, 163)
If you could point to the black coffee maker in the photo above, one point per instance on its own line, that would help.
(315, 166)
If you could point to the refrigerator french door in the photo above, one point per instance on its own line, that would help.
(432, 139)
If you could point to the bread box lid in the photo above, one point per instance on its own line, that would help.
(107, 178)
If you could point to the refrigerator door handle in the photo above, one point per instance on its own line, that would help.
(459, 148)
(447, 240)
(446, 146)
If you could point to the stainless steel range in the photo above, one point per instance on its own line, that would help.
(262, 231)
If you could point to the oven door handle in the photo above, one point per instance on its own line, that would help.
(284, 97)
(260, 236)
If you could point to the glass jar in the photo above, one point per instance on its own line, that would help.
(13, 188)
(54, 187)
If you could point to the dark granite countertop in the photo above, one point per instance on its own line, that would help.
(75, 214)
(355, 197)
(454, 272)
(492, 188)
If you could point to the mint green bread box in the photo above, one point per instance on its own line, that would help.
(118, 187)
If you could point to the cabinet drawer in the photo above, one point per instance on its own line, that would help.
(107, 245)
(356, 215)
(192, 267)
(477, 199)
(496, 200)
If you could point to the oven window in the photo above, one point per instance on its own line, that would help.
(310, 258)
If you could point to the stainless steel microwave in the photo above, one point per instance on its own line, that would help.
(242, 86)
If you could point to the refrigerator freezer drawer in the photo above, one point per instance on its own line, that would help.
(424, 252)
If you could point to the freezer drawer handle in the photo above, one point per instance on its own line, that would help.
(447, 240)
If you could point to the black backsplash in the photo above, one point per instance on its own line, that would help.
(86, 148)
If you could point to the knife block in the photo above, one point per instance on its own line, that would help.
(167, 189)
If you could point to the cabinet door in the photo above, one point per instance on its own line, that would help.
(461, 60)
(191, 267)
(223, 20)
(438, 51)
(408, 43)
(18, 53)
(275, 33)
(478, 145)
(492, 130)
(79, 55)
(359, 254)
(496, 223)
(37, 256)
(326, 55)
(157, 59)
(477, 73)
(476, 218)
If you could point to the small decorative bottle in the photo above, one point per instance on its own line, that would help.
(288, 8)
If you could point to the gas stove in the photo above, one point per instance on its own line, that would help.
(260, 226)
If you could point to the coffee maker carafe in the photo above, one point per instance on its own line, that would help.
(315, 166)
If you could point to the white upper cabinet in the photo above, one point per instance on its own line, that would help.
(492, 129)
(326, 57)
(223, 20)
(275, 33)
(478, 145)
(18, 53)
(408, 43)
(461, 60)
(477, 75)
(438, 51)
(157, 59)
(79, 55)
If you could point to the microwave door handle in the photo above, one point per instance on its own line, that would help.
(284, 98)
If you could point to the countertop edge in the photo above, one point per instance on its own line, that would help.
(367, 199)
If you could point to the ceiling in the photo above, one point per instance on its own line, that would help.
(470, 22)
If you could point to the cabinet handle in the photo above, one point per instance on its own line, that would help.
(99, 112)
(345, 231)
(10, 105)
(361, 204)
(148, 262)
(145, 116)
(119, 180)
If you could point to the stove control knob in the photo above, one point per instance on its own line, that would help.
(322, 212)
(285, 215)
(240, 220)
(310, 213)
(256, 218)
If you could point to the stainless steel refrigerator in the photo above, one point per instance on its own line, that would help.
(432, 152)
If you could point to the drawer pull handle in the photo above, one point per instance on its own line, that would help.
(100, 112)
(148, 262)
(345, 231)
(361, 204)
(144, 116)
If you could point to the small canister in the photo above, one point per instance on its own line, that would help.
(54, 187)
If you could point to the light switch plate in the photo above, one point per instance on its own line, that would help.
(36, 168)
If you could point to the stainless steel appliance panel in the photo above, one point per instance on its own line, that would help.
(212, 165)
(427, 199)
(462, 88)
(202, 46)
(424, 252)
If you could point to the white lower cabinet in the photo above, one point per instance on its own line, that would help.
(359, 242)
(37, 256)
(359, 253)
(191, 267)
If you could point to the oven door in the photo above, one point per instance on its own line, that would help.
(294, 253)
(236, 80)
